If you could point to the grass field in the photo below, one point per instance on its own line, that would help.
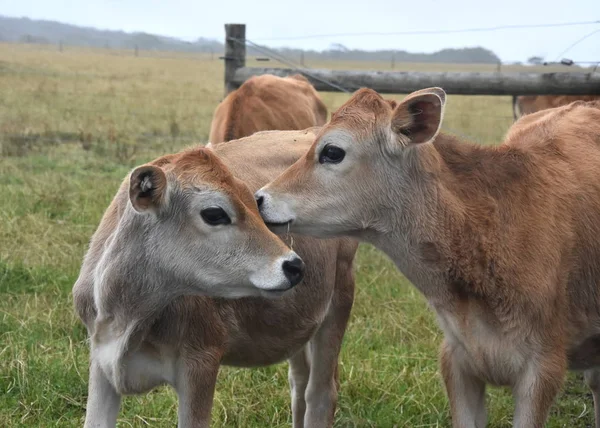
(72, 124)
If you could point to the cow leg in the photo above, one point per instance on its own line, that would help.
(537, 388)
(321, 392)
(195, 386)
(592, 379)
(298, 375)
(466, 392)
(103, 401)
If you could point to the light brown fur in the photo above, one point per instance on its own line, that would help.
(196, 334)
(527, 104)
(503, 241)
(266, 103)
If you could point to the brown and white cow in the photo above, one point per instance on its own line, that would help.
(265, 103)
(503, 241)
(527, 104)
(182, 228)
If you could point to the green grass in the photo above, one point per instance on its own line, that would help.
(72, 124)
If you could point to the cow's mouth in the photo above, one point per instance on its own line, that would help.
(278, 224)
(274, 294)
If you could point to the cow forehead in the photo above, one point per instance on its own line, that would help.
(200, 168)
(355, 127)
(363, 101)
(195, 166)
(362, 114)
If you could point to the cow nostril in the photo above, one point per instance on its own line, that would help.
(293, 270)
(259, 201)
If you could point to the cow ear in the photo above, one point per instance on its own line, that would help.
(147, 188)
(418, 118)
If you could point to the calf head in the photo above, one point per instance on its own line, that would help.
(346, 183)
(200, 226)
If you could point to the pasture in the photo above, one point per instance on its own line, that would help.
(72, 124)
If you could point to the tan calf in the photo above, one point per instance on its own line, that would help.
(182, 227)
(503, 241)
(265, 103)
(523, 105)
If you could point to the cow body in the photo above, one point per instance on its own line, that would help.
(142, 338)
(527, 104)
(265, 103)
(502, 241)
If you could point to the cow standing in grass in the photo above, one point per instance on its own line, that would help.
(183, 228)
(265, 103)
(504, 241)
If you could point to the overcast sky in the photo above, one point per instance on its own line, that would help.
(190, 19)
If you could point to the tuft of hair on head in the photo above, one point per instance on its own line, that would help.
(299, 77)
(362, 108)
(393, 103)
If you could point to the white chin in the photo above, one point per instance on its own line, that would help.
(273, 294)
(239, 293)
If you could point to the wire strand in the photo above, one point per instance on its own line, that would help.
(290, 63)
(571, 46)
(421, 32)
(298, 67)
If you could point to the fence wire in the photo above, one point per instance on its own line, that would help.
(290, 63)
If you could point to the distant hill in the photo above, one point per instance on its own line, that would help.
(25, 30)
(471, 55)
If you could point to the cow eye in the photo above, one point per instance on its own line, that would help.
(215, 216)
(331, 154)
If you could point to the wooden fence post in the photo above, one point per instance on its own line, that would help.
(235, 53)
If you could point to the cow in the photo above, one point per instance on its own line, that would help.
(266, 103)
(503, 241)
(527, 104)
(182, 275)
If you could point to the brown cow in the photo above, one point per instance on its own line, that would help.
(266, 103)
(182, 228)
(504, 241)
(527, 104)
